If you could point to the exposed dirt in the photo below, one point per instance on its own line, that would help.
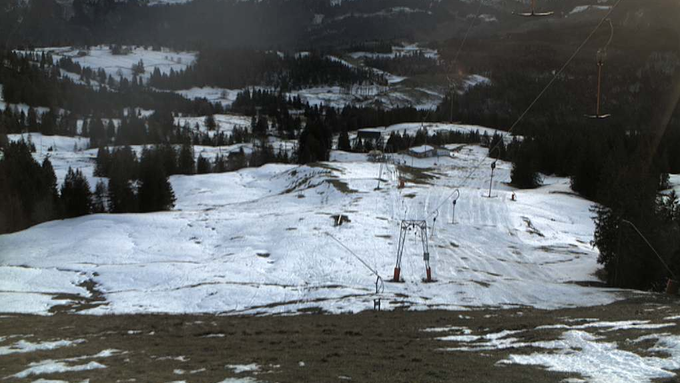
(366, 347)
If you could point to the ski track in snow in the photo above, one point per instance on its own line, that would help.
(255, 241)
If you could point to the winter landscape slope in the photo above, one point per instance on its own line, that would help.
(260, 241)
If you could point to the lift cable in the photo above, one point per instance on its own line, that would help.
(540, 95)
(650, 246)
(379, 284)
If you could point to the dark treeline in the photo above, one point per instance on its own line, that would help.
(267, 24)
(519, 71)
(618, 162)
(31, 196)
(35, 81)
(624, 171)
(406, 64)
(239, 68)
(397, 142)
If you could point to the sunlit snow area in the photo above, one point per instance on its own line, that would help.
(259, 241)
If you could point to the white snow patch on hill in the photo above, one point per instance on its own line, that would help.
(100, 57)
(224, 96)
(225, 122)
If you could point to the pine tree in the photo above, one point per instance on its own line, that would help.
(237, 160)
(524, 170)
(122, 197)
(48, 125)
(220, 164)
(203, 165)
(186, 163)
(100, 198)
(76, 196)
(97, 133)
(210, 122)
(343, 142)
(262, 127)
(29, 192)
(32, 120)
(155, 192)
(103, 162)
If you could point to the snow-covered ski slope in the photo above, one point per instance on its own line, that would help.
(257, 241)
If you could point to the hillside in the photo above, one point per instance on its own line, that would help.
(258, 241)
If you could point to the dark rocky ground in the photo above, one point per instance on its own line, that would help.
(366, 347)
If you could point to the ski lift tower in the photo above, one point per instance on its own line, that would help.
(421, 227)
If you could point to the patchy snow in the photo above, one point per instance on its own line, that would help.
(475, 80)
(464, 330)
(225, 122)
(388, 97)
(487, 18)
(421, 149)
(583, 8)
(63, 152)
(492, 341)
(224, 96)
(100, 57)
(239, 380)
(53, 367)
(602, 362)
(405, 49)
(23, 346)
(239, 368)
(256, 241)
(612, 326)
(167, 2)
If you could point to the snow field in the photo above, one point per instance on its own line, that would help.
(580, 351)
(257, 241)
(100, 57)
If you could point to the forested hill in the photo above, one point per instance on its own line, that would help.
(298, 24)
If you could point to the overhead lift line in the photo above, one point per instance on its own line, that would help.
(379, 285)
(540, 95)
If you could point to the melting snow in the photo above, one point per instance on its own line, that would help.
(53, 367)
(580, 352)
(23, 346)
(239, 368)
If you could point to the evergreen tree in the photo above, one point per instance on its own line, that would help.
(48, 125)
(100, 198)
(186, 163)
(97, 133)
(169, 158)
(343, 142)
(32, 120)
(237, 160)
(203, 165)
(102, 162)
(110, 131)
(155, 192)
(524, 170)
(220, 164)
(210, 122)
(76, 196)
(122, 197)
(28, 190)
(261, 127)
